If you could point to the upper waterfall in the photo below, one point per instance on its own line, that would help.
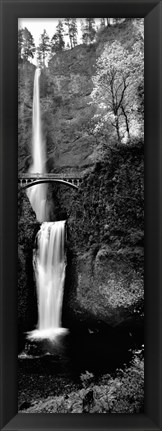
(38, 193)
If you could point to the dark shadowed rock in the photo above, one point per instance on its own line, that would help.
(108, 287)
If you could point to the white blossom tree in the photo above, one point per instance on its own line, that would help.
(119, 74)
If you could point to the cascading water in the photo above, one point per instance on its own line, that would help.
(37, 194)
(49, 264)
(49, 256)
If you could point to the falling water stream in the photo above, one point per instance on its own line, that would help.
(37, 194)
(49, 266)
(49, 256)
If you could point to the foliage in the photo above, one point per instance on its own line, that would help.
(122, 393)
(57, 41)
(110, 201)
(119, 75)
(102, 22)
(43, 49)
(27, 228)
(20, 44)
(86, 378)
(88, 30)
(106, 22)
(72, 30)
(26, 46)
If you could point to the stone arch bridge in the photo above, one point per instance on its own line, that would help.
(26, 180)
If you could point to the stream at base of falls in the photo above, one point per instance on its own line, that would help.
(48, 368)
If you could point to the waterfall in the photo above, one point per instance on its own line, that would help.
(37, 194)
(49, 256)
(49, 265)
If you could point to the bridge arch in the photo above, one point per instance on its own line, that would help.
(48, 180)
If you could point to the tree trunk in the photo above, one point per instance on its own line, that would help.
(71, 44)
(126, 121)
(117, 129)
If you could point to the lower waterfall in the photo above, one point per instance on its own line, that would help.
(49, 263)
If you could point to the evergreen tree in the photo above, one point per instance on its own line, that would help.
(72, 30)
(107, 22)
(43, 48)
(88, 30)
(20, 44)
(57, 41)
(26, 46)
(102, 22)
(117, 20)
(67, 22)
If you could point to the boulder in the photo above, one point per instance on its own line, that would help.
(108, 287)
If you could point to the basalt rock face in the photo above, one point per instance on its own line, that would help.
(108, 288)
(65, 88)
(27, 296)
(106, 235)
(25, 97)
(70, 83)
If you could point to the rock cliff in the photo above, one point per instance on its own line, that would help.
(106, 236)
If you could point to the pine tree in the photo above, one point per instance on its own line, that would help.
(43, 48)
(67, 22)
(88, 30)
(108, 22)
(20, 44)
(102, 22)
(57, 41)
(74, 31)
(26, 46)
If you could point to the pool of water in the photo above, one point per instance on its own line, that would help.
(51, 366)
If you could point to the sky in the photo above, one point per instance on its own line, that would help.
(37, 25)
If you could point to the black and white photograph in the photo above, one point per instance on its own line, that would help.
(80, 215)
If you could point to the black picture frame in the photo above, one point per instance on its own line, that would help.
(152, 12)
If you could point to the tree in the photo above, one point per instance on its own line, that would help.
(102, 23)
(71, 24)
(119, 75)
(20, 44)
(74, 31)
(107, 22)
(68, 25)
(88, 30)
(43, 48)
(57, 41)
(26, 45)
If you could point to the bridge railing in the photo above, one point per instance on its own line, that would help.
(27, 179)
(49, 176)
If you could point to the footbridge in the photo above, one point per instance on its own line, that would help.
(26, 180)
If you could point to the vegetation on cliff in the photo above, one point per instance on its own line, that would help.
(91, 98)
(102, 210)
(122, 393)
